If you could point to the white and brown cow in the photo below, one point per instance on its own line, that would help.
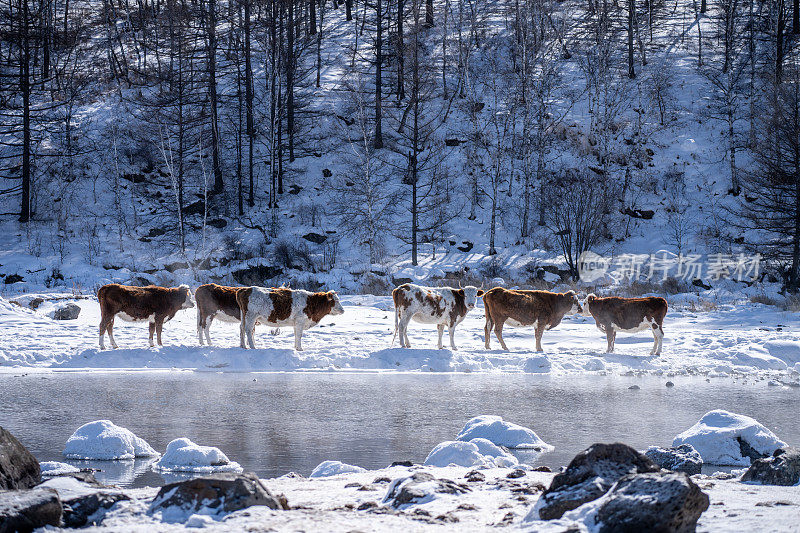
(541, 310)
(215, 301)
(277, 307)
(150, 304)
(443, 306)
(629, 315)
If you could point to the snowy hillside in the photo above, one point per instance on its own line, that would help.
(525, 117)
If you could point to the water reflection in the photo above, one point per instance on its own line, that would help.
(115, 472)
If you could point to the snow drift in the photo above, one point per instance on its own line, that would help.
(54, 468)
(183, 455)
(722, 438)
(502, 433)
(104, 440)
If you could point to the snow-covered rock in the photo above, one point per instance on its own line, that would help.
(104, 440)
(183, 455)
(457, 453)
(333, 468)
(537, 364)
(496, 454)
(420, 488)
(502, 433)
(725, 438)
(54, 468)
(683, 458)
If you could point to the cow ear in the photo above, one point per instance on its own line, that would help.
(330, 296)
(480, 293)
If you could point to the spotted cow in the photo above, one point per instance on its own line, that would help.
(443, 306)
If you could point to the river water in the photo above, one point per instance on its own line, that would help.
(276, 423)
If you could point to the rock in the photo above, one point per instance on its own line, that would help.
(220, 493)
(80, 511)
(456, 453)
(334, 468)
(634, 387)
(783, 468)
(256, 275)
(683, 458)
(18, 468)
(13, 278)
(420, 487)
(465, 246)
(473, 476)
(183, 455)
(514, 474)
(69, 311)
(103, 440)
(659, 501)
(543, 468)
(670, 384)
(326, 172)
(218, 223)
(295, 189)
(195, 208)
(402, 463)
(26, 510)
(174, 267)
(724, 438)
(589, 475)
(316, 238)
(502, 433)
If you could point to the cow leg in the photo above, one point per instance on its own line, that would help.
(440, 330)
(207, 329)
(298, 336)
(403, 327)
(487, 330)
(452, 331)
(200, 328)
(110, 329)
(248, 327)
(538, 333)
(103, 326)
(611, 335)
(658, 339)
(159, 327)
(498, 332)
(152, 330)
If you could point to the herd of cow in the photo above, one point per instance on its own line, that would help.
(442, 306)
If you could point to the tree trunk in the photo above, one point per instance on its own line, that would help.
(631, 15)
(401, 91)
(290, 51)
(429, 12)
(248, 90)
(25, 88)
(312, 17)
(212, 94)
(348, 8)
(378, 143)
(779, 42)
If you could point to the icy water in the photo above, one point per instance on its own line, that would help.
(276, 423)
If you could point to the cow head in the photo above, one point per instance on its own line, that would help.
(471, 295)
(188, 299)
(337, 308)
(589, 299)
(575, 304)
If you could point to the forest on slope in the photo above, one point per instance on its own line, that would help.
(358, 143)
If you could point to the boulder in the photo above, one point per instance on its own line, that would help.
(26, 510)
(783, 468)
(84, 503)
(316, 238)
(589, 475)
(658, 501)
(683, 458)
(420, 487)
(69, 311)
(724, 438)
(334, 468)
(18, 468)
(502, 433)
(218, 493)
(456, 453)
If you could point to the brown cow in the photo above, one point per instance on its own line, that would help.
(630, 315)
(215, 301)
(150, 304)
(541, 309)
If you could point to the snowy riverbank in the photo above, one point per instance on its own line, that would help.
(732, 338)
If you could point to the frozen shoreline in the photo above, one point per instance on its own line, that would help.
(736, 339)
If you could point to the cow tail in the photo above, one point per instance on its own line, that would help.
(396, 320)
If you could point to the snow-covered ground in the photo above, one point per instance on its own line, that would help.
(331, 504)
(736, 337)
